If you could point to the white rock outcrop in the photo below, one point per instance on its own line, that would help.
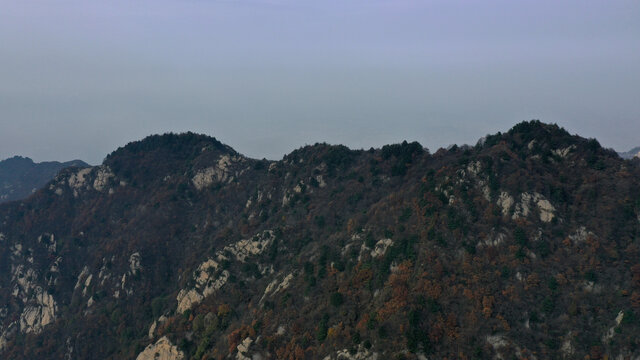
(39, 314)
(78, 180)
(220, 173)
(547, 211)
(505, 201)
(87, 283)
(208, 278)
(163, 349)
(524, 207)
(496, 341)
(48, 240)
(276, 286)
(493, 240)
(591, 287)
(205, 284)
(564, 152)
(567, 348)
(103, 176)
(321, 182)
(381, 248)
(474, 168)
(243, 349)
(152, 329)
(580, 235)
(361, 354)
(612, 330)
(251, 247)
(134, 263)
(81, 277)
(23, 280)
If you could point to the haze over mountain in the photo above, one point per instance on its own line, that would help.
(635, 152)
(80, 78)
(525, 245)
(21, 177)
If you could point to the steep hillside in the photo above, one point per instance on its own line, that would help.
(177, 247)
(21, 177)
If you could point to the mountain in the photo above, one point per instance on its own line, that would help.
(21, 177)
(633, 153)
(178, 247)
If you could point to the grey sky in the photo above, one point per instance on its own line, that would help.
(79, 78)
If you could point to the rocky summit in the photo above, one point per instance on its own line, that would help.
(524, 246)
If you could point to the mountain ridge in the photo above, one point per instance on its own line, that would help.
(525, 245)
(21, 176)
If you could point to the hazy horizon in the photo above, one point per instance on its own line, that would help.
(80, 79)
(432, 149)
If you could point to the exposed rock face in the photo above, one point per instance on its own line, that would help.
(567, 348)
(154, 325)
(208, 278)
(48, 240)
(82, 277)
(321, 182)
(276, 286)
(581, 235)
(381, 248)
(163, 349)
(564, 152)
(497, 341)
(221, 173)
(505, 201)
(87, 283)
(523, 208)
(24, 280)
(103, 175)
(494, 239)
(251, 247)
(474, 168)
(612, 331)
(96, 178)
(207, 283)
(361, 354)
(134, 263)
(243, 349)
(77, 181)
(547, 211)
(39, 314)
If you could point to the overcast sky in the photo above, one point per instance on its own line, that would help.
(79, 78)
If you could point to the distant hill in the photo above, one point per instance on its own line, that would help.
(21, 177)
(635, 152)
(524, 246)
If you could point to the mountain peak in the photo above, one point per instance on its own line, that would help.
(161, 155)
(178, 143)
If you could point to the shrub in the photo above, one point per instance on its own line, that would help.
(336, 299)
